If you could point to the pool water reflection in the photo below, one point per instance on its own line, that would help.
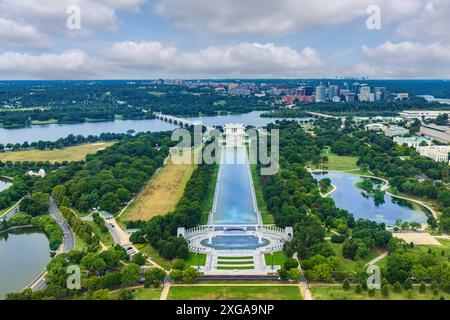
(235, 243)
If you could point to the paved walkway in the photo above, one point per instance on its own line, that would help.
(303, 285)
(165, 291)
(377, 259)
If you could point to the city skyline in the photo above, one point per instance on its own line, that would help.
(196, 39)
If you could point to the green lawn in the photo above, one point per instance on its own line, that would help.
(339, 163)
(235, 268)
(235, 293)
(278, 258)
(105, 237)
(234, 262)
(154, 255)
(79, 243)
(195, 260)
(338, 293)
(209, 198)
(266, 216)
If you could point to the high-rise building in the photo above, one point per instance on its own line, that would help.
(380, 94)
(333, 91)
(308, 90)
(321, 93)
(356, 87)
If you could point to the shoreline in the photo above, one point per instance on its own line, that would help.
(384, 188)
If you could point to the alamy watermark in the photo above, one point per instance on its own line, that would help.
(374, 279)
(73, 21)
(374, 20)
(260, 147)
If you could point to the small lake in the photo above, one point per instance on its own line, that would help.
(52, 132)
(347, 196)
(23, 255)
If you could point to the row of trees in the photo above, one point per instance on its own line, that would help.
(160, 231)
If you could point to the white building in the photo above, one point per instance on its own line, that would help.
(235, 134)
(375, 127)
(422, 114)
(437, 153)
(41, 173)
(440, 133)
(412, 142)
(394, 131)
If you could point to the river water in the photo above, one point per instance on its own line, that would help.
(347, 196)
(23, 256)
(54, 132)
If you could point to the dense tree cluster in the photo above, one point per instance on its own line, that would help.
(109, 178)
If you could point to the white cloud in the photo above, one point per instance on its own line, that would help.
(70, 64)
(14, 34)
(268, 17)
(406, 60)
(434, 21)
(51, 15)
(242, 60)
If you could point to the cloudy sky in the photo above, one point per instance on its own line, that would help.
(145, 39)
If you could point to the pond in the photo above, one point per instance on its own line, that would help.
(234, 199)
(23, 255)
(347, 196)
(52, 132)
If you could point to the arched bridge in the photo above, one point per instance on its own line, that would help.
(177, 121)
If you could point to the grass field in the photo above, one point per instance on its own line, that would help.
(339, 163)
(195, 260)
(338, 293)
(105, 237)
(435, 250)
(75, 153)
(279, 258)
(162, 193)
(234, 293)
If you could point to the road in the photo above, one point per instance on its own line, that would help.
(12, 211)
(67, 245)
(69, 238)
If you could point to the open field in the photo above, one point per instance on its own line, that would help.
(162, 193)
(336, 292)
(196, 260)
(75, 153)
(339, 163)
(234, 293)
(279, 258)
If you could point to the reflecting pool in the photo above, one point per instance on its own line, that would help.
(234, 199)
(347, 196)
